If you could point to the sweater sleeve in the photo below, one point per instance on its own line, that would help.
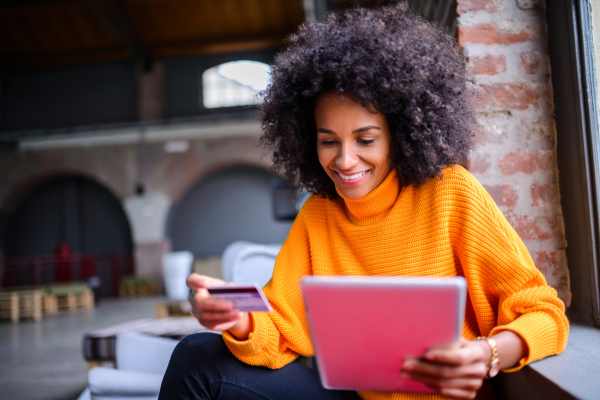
(505, 288)
(278, 337)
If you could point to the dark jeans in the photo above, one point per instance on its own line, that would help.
(202, 367)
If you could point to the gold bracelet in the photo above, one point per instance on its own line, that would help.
(493, 366)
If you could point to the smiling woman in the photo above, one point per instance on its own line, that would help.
(371, 111)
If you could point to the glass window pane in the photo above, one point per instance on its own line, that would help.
(236, 83)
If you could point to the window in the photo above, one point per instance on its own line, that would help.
(236, 83)
(594, 22)
(570, 36)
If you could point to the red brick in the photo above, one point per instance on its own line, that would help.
(525, 162)
(487, 65)
(509, 196)
(534, 63)
(538, 228)
(547, 262)
(478, 5)
(540, 194)
(512, 96)
(506, 32)
(478, 165)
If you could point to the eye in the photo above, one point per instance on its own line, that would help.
(365, 141)
(328, 142)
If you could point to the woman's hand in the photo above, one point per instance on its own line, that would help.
(214, 313)
(459, 371)
(452, 371)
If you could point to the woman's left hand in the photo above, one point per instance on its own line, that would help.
(452, 371)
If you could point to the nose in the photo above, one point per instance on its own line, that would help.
(346, 158)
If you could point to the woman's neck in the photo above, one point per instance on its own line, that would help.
(377, 203)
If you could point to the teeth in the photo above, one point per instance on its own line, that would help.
(350, 177)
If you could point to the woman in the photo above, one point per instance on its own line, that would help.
(371, 112)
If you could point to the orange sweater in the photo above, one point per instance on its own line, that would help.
(447, 227)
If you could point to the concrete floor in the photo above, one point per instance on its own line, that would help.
(44, 360)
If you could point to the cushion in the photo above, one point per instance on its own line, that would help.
(113, 382)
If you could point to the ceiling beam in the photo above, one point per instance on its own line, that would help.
(16, 62)
(8, 4)
(44, 60)
(142, 50)
(117, 32)
(215, 47)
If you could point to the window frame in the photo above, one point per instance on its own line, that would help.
(182, 98)
(578, 150)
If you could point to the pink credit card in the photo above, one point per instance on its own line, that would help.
(245, 297)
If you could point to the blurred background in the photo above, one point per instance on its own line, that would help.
(128, 136)
(126, 132)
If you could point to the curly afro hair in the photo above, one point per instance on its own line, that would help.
(388, 60)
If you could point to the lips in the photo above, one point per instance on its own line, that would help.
(351, 178)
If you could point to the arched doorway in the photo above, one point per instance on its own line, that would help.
(230, 205)
(69, 228)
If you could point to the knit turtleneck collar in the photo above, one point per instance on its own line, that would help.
(377, 203)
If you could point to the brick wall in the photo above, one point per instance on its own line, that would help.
(115, 166)
(515, 159)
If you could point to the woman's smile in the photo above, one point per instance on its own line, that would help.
(351, 179)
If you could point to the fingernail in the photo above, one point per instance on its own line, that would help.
(404, 375)
(430, 357)
(235, 313)
(409, 366)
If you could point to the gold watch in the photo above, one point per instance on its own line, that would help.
(494, 365)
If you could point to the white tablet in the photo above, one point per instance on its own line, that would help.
(363, 328)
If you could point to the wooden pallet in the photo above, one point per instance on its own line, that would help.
(50, 304)
(72, 301)
(173, 309)
(21, 304)
(138, 286)
(70, 297)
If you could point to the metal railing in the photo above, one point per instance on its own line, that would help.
(49, 269)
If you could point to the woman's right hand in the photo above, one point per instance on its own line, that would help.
(214, 313)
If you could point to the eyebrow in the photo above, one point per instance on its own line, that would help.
(359, 130)
(366, 128)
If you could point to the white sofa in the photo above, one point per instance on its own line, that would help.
(245, 262)
(141, 364)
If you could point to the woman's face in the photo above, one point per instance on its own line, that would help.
(353, 145)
